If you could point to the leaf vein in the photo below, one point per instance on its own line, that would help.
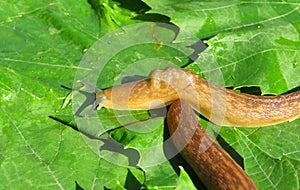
(39, 158)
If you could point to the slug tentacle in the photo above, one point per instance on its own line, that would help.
(91, 99)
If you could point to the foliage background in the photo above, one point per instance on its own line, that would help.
(252, 43)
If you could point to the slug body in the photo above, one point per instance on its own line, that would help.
(219, 105)
(212, 164)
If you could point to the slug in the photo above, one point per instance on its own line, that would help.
(221, 106)
(212, 164)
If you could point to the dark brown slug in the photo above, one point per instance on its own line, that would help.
(212, 164)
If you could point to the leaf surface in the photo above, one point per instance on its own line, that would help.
(42, 43)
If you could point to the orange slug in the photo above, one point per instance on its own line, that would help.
(219, 105)
(212, 164)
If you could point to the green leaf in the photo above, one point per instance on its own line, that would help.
(43, 43)
(184, 182)
(208, 18)
(269, 56)
(270, 154)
